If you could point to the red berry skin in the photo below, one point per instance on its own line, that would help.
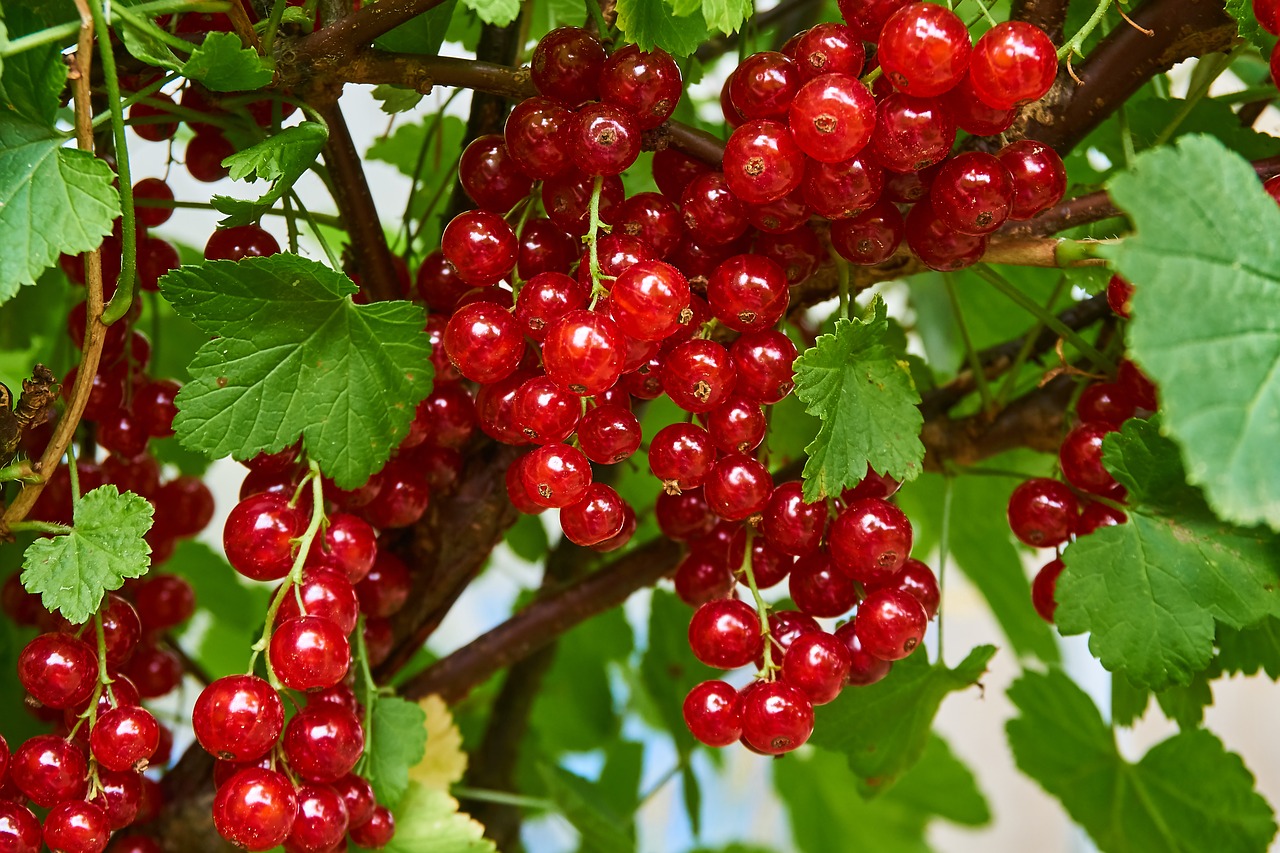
(738, 426)
(681, 456)
(791, 525)
(402, 498)
(583, 352)
(1042, 512)
(1096, 515)
(238, 718)
(890, 624)
(125, 738)
(1108, 403)
(763, 363)
(683, 516)
(844, 189)
(975, 117)
(726, 634)
(597, 517)
(1014, 62)
(762, 162)
(1268, 14)
(349, 547)
(557, 475)
(737, 487)
(870, 540)
(817, 664)
(646, 85)
(120, 798)
(204, 156)
(323, 742)
(534, 134)
(711, 211)
(819, 589)
(544, 247)
(481, 247)
(76, 827)
(545, 412)
(605, 139)
(484, 342)
(763, 85)
(829, 48)
(327, 594)
(309, 652)
(748, 293)
(700, 578)
(255, 809)
(49, 770)
(776, 717)
(924, 49)
(973, 193)
(239, 242)
(321, 823)
(711, 713)
(566, 65)
(153, 189)
(864, 668)
(491, 176)
(154, 669)
(649, 300)
(698, 375)
(652, 219)
(144, 114)
(1120, 296)
(911, 133)
(608, 434)
(58, 670)
(19, 829)
(867, 17)
(917, 580)
(871, 237)
(375, 832)
(357, 794)
(1142, 389)
(567, 200)
(1043, 590)
(258, 536)
(545, 298)
(164, 601)
(938, 246)
(832, 117)
(1081, 460)
(1039, 178)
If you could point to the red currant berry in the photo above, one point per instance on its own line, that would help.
(534, 134)
(911, 133)
(1140, 388)
(763, 363)
(377, 831)
(832, 117)
(76, 827)
(673, 170)
(764, 85)
(545, 298)
(1014, 62)
(1268, 14)
(762, 162)
(325, 593)
(870, 540)
(238, 718)
(924, 49)
(1095, 515)
(402, 498)
(748, 293)
(605, 139)
(819, 589)
(600, 515)
(939, 246)
(239, 242)
(829, 49)
(1043, 590)
(154, 669)
(481, 247)
(1039, 178)
(357, 794)
(864, 668)
(19, 829)
(776, 717)
(890, 624)
(711, 211)
(681, 456)
(791, 525)
(737, 487)
(49, 770)
(205, 153)
(649, 300)
(545, 412)
(975, 117)
(153, 119)
(557, 475)
(973, 193)
(817, 664)
(349, 547)
(154, 190)
(844, 189)
(58, 670)
(323, 742)
(321, 824)
(164, 601)
(1081, 460)
(683, 516)
(125, 738)
(309, 652)
(258, 536)
(725, 634)
(491, 176)
(1108, 403)
(566, 65)
(917, 580)
(583, 352)
(567, 200)
(698, 375)
(711, 713)
(738, 426)
(646, 85)
(871, 237)
(255, 809)
(608, 434)
(1042, 512)
(700, 578)
(1120, 296)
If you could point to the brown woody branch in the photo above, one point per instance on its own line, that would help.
(1048, 15)
(359, 29)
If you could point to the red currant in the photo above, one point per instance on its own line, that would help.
(791, 525)
(608, 434)
(58, 670)
(309, 652)
(321, 824)
(239, 242)
(238, 718)
(890, 624)
(125, 738)
(817, 664)
(1039, 178)
(255, 809)
(491, 176)
(258, 536)
(481, 247)
(711, 713)
(911, 133)
(377, 831)
(698, 375)
(725, 633)
(649, 300)
(1043, 590)
(566, 65)
(323, 742)
(1081, 460)
(1014, 62)
(737, 487)
(583, 352)
(776, 717)
(76, 827)
(819, 589)
(870, 540)
(600, 515)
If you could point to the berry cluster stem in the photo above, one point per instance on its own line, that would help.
(762, 607)
(593, 236)
(294, 577)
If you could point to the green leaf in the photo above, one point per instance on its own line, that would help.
(142, 38)
(653, 23)
(1149, 591)
(428, 821)
(826, 816)
(497, 12)
(581, 804)
(422, 35)
(982, 547)
(290, 343)
(53, 200)
(574, 711)
(862, 391)
(235, 609)
(1247, 25)
(1251, 650)
(1207, 303)
(281, 159)
(397, 742)
(223, 64)
(528, 539)
(883, 728)
(72, 572)
(1186, 794)
(32, 81)
(724, 16)
(396, 99)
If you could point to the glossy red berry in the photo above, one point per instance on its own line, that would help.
(871, 237)
(583, 352)
(819, 589)
(711, 211)
(763, 85)
(357, 794)
(939, 246)
(255, 809)
(58, 670)
(535, 137)
(125, 738)
(748, 293)
(76, 827)
(870, 540)
(737, 487)
(204, 156)
(1120, 296)
(19, 829)
(867, 17)
(49, 770)
(924, 49)
(566, 65)
(681, 455)
(844, 189)
(309, 652)
(649, 300)
(1081, 459)
(323, 742)
(164, 601)
(711, 713)
(238, 718)
(725, 633)
(557, 475)
(600, 515)
(763, 363)
(776, 717)
(321, 823)
(377, 831)
(608, 434)
(917, 580)
(911, 133)
(832, 117)
(698, 375)
(605, 139)
(152, 190)
(1044, 589)
(738, 426)
(974, 116)
(645, 84)
(153, 119)
(402, 498)
(817, 664)
(1268, 14)
(864, 668)
(484, 342)
(1095, 515)
(890, 624)
(545, 412)
(349, 546)
(239, 242)
(1131, 378)
(1039, 178)
(829, 48)
(1014, 62)
(481, 247)
(491, 176)
(258, 536)
(154, 669)
(324, 593)
(762, 162)
(791, 525)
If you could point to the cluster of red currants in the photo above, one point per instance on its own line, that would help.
(240, 719)
(1046, 513)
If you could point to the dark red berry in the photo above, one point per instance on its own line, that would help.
(255, 809)
(725, 633)
(1042, 512)
(309, 652)
(1044, 588)
(567, 64)
(819, 589)
(817, 664)
(323, 742)
(776, 717)
(711, 713)
(238, 718)
(890, 624)
(870, 540)
(58, 670)
(1014, 62)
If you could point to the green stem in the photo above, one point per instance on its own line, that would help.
(1038, 311)
(370, 688)
(872, 76)
(315, 230)
(842, 278)
(1244, 96)
(19, 471)
(593, 9)
(502, 798)
(273, 24)
(971, 354)
(593, 234)
(295, 573)
(139, 95)
(1074, 44)
(128, 17)
(73, 471)
(39, 527)
(323, 218)
(762, 607)
(1207, 70)
(944, 547)
(986, 13)
(63, 33)
(1024, 352)
(291, 222)
(123, 297)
